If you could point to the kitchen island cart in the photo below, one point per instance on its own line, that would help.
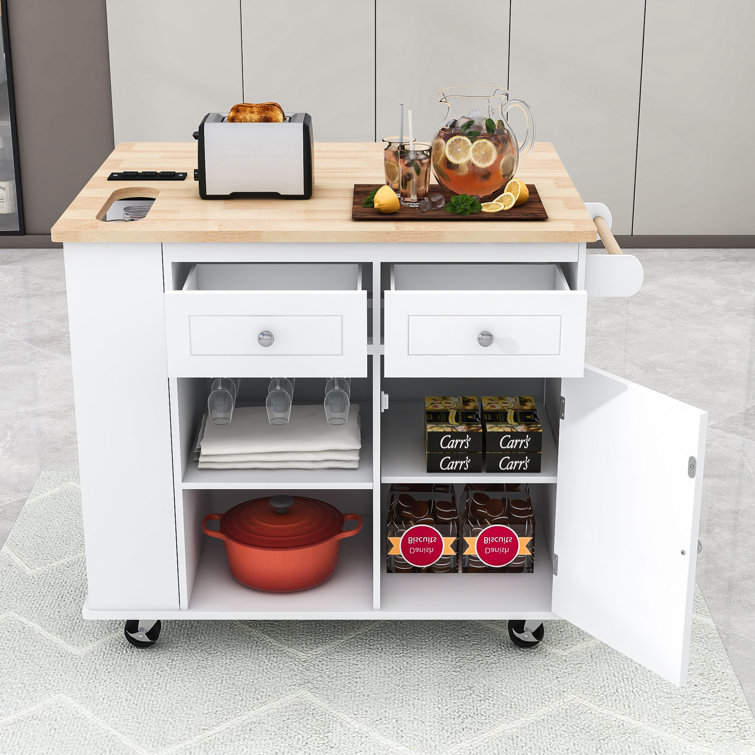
(257, 288)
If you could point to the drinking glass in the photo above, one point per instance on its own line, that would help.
(221, 400)
(390, 159)
(414, 167)
(337, 401)
(280, 394)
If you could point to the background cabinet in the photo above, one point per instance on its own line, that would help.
(578, 68)
(313, 57)
(589, 74)
(171, 63)
(696, 163)
(423, 47)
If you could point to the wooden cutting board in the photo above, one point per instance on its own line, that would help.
(532, 209)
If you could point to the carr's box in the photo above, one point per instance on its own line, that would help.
(511, 425)
(452, 425)
(454, 462)
(512, 463)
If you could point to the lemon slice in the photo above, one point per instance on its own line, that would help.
(438, 151)
(483, 153)
(458, 149)
(519, 189)
(492, 206)
(507, 166)
(508, 200)
(391, 172)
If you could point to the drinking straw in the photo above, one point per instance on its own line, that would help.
(411, 130)
(401, 127)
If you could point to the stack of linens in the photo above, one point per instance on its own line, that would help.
(306, 442)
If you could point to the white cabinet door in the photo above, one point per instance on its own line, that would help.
(171, 63)
(698, 76)
(627, 516)
(314, 57)
(577, 64)
(424, 47)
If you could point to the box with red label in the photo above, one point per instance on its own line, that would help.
(453, 434)
(422, 529)
(497, 529)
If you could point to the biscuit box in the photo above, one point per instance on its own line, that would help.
(514, 429)
(454, 462)
(452, 423)
(491, 512)
(414, 505)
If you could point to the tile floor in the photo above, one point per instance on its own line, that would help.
(690, 332)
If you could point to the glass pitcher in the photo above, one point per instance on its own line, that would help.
(475, 151)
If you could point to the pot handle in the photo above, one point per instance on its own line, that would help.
(208, 531)
(529, 137)
(350, 533)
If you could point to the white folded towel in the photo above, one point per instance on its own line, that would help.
(284, 456)
(327, 464)
(307, 430)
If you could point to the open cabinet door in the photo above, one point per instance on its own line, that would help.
(630, 466)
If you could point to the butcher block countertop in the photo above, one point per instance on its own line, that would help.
(179, 215)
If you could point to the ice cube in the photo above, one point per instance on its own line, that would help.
(438, 201)
(425, 205)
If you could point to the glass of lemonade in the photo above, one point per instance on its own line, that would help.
(414, 173)
(390, 160)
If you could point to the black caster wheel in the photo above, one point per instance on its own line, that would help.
(526, 634)
(142, 633)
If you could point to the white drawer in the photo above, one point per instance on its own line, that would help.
(483, 320)
(239, 320)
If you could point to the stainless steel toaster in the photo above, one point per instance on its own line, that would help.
(255, 159)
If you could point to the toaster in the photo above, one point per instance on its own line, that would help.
(255, 159)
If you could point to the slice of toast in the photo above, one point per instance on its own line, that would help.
(260, 112)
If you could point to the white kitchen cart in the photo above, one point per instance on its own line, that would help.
(159, 306)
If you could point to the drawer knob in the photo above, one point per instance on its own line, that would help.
(485, 338)
(265, 338)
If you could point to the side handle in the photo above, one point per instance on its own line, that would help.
(208, 531)
(350, 533)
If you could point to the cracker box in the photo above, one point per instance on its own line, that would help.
(453, 434)
(512, 427)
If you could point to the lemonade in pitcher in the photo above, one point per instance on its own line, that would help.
(475, 151)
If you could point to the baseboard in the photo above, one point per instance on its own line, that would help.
(682, 242)
(30, 241)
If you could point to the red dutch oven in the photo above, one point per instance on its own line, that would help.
(282, 543)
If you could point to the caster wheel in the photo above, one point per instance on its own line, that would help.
(141, 633)
(526, 634)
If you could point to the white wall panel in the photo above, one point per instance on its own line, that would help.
(314, 57)
(696, 162)
(577, 65)
(171, 62)
(426, 45)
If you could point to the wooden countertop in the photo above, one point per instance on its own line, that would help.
(178, 213)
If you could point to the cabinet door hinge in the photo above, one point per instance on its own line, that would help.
(692, 466)
(384, 401)
(563, 407)
(555, 564)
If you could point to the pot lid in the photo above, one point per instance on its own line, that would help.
(282, 521)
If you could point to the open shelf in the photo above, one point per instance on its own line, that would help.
(403, 451)
(217, 595)
(290, 479)
(470, 596)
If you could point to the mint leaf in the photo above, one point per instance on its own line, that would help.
(473, 134)
(369, 200)
(463, 204)
(467, 125)
(490, 125)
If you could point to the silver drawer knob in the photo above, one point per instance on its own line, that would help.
(265, 338)
(485, 338)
